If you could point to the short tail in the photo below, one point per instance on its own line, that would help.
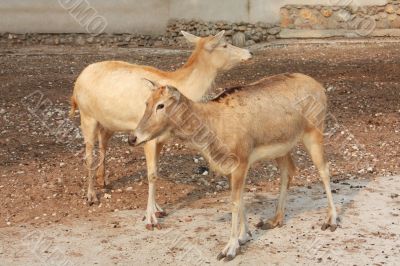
(74, 106)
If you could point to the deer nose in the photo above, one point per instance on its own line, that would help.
(132, 140)
(251, 53)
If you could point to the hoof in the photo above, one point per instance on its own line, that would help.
(220, 256)
(325, 226)
(161, 214)
(158, 226)
(229, 258)
(267, 226)
(149, 227)
(260, 224)
(92, 198)
(332, 227)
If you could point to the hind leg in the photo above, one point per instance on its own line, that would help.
(313, 141)
(89, 128)
(287, 171)
(104, 136)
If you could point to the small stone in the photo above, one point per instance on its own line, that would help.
(250, 42)
(90, 40)
(80, 40)
(274, 30)
(205, 173)
(107, 196)
(200, 170)
(326, 12)
(62, 164)
(390, 9)
(239, 39)
(129, 189)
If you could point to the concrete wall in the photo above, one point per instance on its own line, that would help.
(138, 16)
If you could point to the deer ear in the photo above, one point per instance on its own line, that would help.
(215, 40)
(190, 37)
(173, 92)
(219, 36)
(154, 84)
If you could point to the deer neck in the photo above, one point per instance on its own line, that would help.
(196, 77)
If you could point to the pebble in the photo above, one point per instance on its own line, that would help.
(107, 196)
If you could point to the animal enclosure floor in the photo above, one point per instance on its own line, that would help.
(369, 233)
(43, 178)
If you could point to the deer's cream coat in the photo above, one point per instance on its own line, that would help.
(111, 97)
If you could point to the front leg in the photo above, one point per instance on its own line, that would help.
(152, 151)
(237, 182)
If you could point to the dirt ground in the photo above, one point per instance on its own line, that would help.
(42, 176)
(369, 233)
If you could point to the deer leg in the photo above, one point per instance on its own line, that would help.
(287, 171)
(104, 136)
(89, 128)
(237, 183)
(245, 234)
(313, 141)
(152, 151)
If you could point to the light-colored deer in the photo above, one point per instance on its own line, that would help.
(111, 97)
(263, 120)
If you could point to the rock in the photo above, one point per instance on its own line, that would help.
(305, 13)
(250, 42)
(201, 169)
(239, 39)
(286, 20)
(90, 40)
(392, 17)
(274, 30)
(395, 23)
(80, 41)
(390, 9)
(326, 12)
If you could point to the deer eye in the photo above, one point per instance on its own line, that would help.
(160, 106)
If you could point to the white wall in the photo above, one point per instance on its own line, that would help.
(141, 16)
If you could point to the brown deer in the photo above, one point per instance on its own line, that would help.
(111, 97)
(263, 120)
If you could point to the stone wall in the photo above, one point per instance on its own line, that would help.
(296, 21)
(364, 19)
(240, 34)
